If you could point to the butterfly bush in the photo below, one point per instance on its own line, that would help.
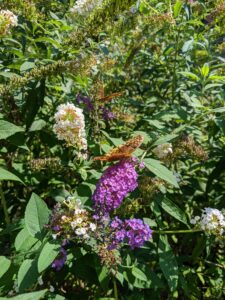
(7, 21)
(85, 7)
(70, 126)
(163, 150)
(114, 185)
(133, 231)
(212, 221)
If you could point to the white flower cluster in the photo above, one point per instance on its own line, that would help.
(80, 223)
(163, 150)
(7, 21)
(70, 126)
(84, 7)
(212, 221)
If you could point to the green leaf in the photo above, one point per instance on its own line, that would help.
(36, 215)
(172, 209)
(27, 65)
(24, 241)
(28, 274)
(161, 171)
(4, 265)
(28, 296)
(139, 274)
(205, 70)
(167, 262)
(103, 276)
(165, 139)
(47, 256)
(177, 8)
(6, 175)
(7, 129)
(48, 40)
(37, 125)
(190, 75)
(8, 74)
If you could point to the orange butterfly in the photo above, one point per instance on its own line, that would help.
(123, 151)
(110, 97)
(101, 95)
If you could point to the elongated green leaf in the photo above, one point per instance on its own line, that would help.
(7, 129)
(48, 40)
(6, 175)
(4, 265)
(190, 75)
(205, 70)
(24, 241)
(47, 255)
(27, 296)
(168, 263)
(177, 8)
(28, 274)
(171, 208)
(139, 274)
(36, 215)
(161, 171)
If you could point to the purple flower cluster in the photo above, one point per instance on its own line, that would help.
(116, 182)
(134, 231)
(59, 262)
(107, 114)
(86, 101)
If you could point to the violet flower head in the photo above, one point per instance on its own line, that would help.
(114, 185)
(134, 231)
(86, 101)
(137, 232)
(59, 262)
(107, 114)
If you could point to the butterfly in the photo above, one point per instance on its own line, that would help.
(110, 97)
(101, 95)
(123, 151)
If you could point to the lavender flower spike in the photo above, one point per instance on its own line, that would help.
(116, 182)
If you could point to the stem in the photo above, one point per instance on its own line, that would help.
(115, 289)
(4, 205)
(174, 80)
(176, 231)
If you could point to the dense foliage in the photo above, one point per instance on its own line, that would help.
(78, 78)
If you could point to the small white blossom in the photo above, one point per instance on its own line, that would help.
(81, 231)
(40, 281)
(212, 221)
(85, 7)
(70, 126)
(51, 289)
(79, 220)
(163, 150)
(92, 226)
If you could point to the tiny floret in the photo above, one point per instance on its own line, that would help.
(163, 150)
